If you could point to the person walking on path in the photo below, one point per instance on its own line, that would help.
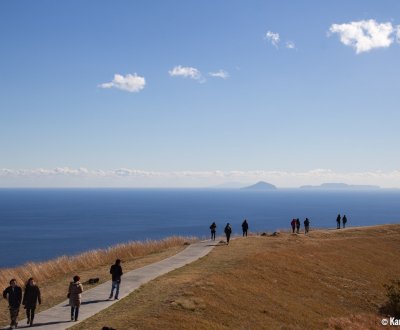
(293, 224)
(213, 229)
(116, 273)
(344, 220)
(298, 225)
(245, 227)
(338, 221)
(306, 226)
(228, 232)
(13, 294)
(31, 298)
(75, 297)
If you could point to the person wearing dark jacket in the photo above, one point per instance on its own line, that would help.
(228, 232)
(75, 297)
(338, 221)
(298, 225)
(245, 227)
(116, 273)
(13, 294)
(344, 220)
(306, 226)
(293, 224)
(31, 298)
(213, 229)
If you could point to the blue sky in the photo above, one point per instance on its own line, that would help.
(197, 93)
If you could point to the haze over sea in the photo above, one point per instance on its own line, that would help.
(39, 224)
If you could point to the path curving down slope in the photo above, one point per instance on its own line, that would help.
(96, 299)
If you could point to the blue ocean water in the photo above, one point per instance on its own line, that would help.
(40, 224)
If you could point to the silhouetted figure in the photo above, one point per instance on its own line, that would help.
(228, 232)
(31, 298)
(344, 220)
(293, 224)
(338, 221)
(13, 294)
(298, 225)
(306, 226)
(116, 273)
(245, 227)
(75, 297)
(213, 229)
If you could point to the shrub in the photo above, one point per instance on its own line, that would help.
(392, 307)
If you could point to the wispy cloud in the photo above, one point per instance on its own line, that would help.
(398, 33)
(273, 38)
(130, 83)
(136, 177)
(219, 74)
(290, 45)
(365, 35)
(185, 72)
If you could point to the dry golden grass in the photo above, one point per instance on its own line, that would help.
(330, 279)
(53, 276)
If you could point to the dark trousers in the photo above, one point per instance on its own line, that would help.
(293, 229)
(245, 232)
(228, 236)
(306, 229)
(74, 313)
(338, 225)
(30, 314)
(14, 311)
(213, 235)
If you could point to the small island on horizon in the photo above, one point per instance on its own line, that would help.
(261, 185)
(340, 186)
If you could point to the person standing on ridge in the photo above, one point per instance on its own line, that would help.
(31, 298)
(116, 273)
(13, 294)
(338, 221)
(213, 229)
(298, 225)
(228, 232)
(306, 226)
(293, 224)
(344, 220)
(75, 297)
(245, 227)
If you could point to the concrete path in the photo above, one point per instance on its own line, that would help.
(96, 299)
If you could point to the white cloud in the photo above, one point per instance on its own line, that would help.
(364, 36)
(128, 177)
(290, 45)
(272, 37)
(131, 83)
(219, 74)
(186, 72)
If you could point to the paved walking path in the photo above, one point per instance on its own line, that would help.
(96, 299)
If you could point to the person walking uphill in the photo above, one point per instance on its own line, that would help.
(213, 229)
(298, 225)
(13, 294)
(75, 297)
(228, 232)
(31, 298)
(245, 227)
(338, 221)
(116, 273)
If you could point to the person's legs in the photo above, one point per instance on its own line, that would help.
(32, 315)
(72, 312)
(14, 315)
(112, 289)
(76, 313)
(117, 291)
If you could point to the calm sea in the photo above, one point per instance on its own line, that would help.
(39, 224)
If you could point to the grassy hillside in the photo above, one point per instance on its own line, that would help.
(328, 279)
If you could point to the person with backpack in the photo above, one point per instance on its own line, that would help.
(213, 229)
(306, 226)
(228, 232)
(13, 294)
(75, 297)
(245, 227)
(31, 298)
(116, 273)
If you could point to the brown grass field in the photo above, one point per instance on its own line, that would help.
(53, 276)
(330, 279)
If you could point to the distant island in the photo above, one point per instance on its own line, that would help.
(261, 186)
(340, 186)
